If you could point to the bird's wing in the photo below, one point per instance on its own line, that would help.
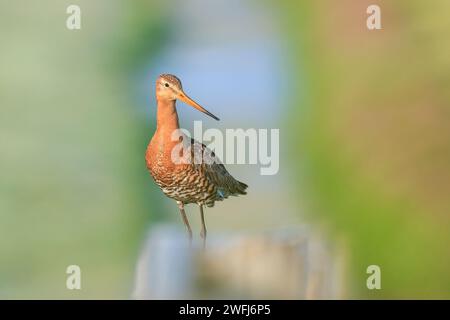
(215, 171)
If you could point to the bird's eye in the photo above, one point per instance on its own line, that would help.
(166, 84)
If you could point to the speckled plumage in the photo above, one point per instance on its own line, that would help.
(201, 183)
(172, 79)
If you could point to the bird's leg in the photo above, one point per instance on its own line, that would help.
(185, 220)
(203, 231)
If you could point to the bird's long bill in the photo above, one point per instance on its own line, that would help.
(183, 97)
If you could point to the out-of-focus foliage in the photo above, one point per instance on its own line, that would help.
(369, 136)
(72, 187)
(372, 135)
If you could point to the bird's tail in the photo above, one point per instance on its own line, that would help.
(241, 187)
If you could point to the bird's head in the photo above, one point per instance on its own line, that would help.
(169, 88)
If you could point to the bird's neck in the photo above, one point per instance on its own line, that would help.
(166, 117)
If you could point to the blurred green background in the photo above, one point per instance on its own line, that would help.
(374, 137)
(72, 188)
(363, 117)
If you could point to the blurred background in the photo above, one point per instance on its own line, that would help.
(364, 148)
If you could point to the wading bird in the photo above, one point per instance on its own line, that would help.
(200, 182)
